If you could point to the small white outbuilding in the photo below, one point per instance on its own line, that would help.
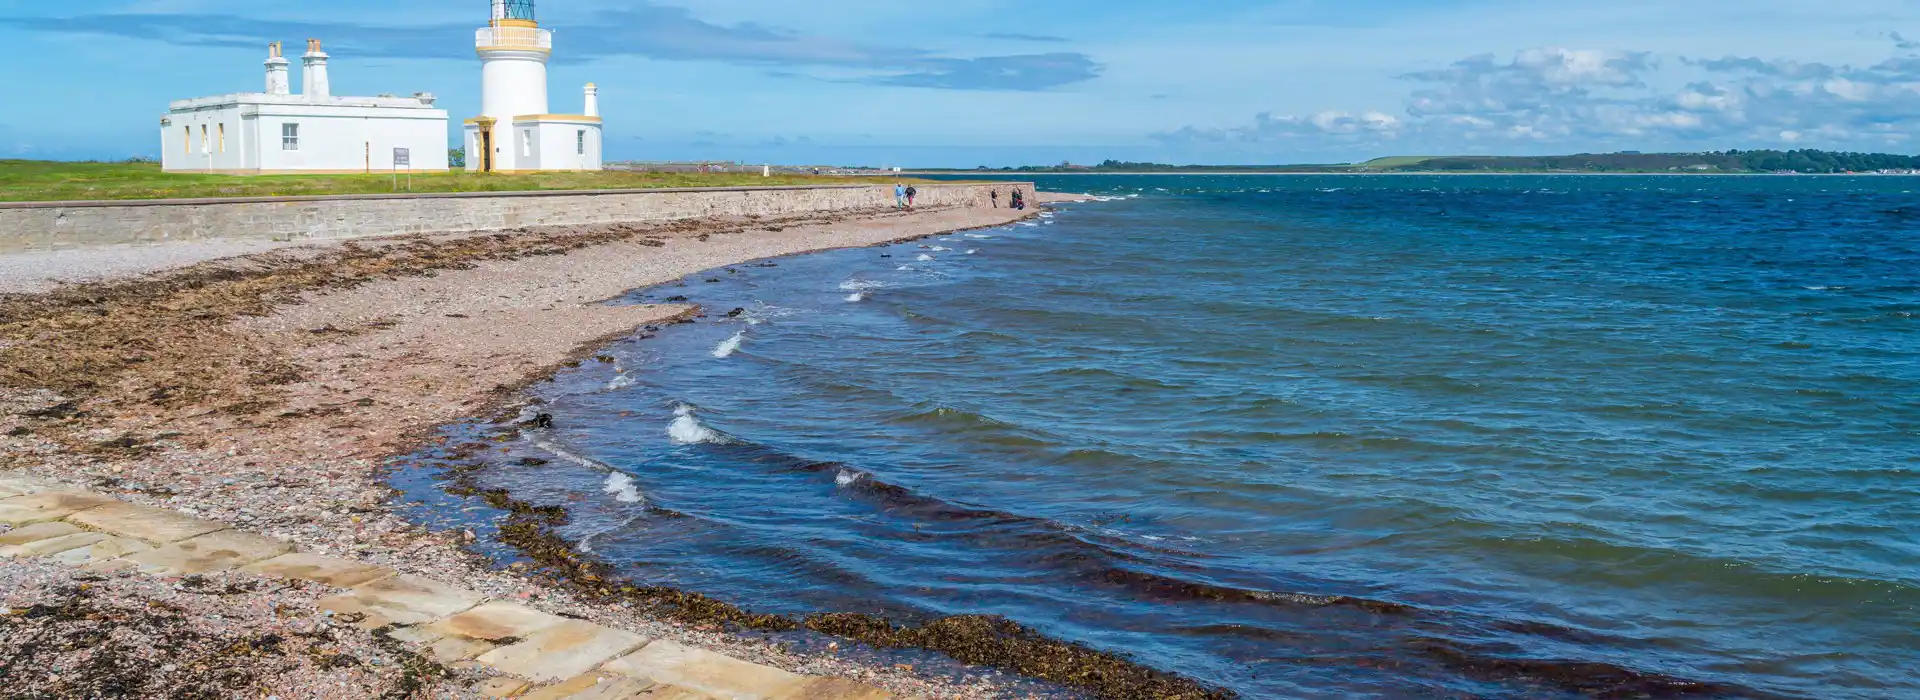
(277, 131)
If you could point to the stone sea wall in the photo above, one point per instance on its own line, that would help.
(27, 226)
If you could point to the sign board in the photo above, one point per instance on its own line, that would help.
(402, 157)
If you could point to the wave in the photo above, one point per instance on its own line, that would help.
(971, 251)
(924, 258)
(858, 285)
(622, 488)
(687, 430)
(727, 347)
(857, 297)
(619, 381)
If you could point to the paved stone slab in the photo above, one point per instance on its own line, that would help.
(834, 689)
(405, 599)
(108, 548)
(449, 650)
(595, 686)
(33, 533)
(318, 568)
(216, 551)
(662, 691)
(47, 506)
(152, 525)
(501, 687)
(673, 663)
(496, 620)
(52, 545)
(568, 649)
(16, 484)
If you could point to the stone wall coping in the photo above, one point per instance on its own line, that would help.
(202, 201)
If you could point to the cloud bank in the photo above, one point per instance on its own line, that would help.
(642, 29)
(1555, 96)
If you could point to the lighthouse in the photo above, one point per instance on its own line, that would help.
(516, 130)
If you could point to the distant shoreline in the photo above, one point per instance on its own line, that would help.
(1437, 172)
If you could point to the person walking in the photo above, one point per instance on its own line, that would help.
(995, 196)
(911, 193)
(899, 196)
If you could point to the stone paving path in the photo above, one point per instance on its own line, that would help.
(538, 656)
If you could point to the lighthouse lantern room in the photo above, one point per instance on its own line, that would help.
(516, 131)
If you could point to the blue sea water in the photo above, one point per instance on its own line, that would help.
(1312, 436)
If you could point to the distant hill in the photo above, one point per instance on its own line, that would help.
(1707, 162)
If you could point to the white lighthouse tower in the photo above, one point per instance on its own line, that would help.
(516, 132)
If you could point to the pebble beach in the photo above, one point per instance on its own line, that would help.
(267, 391)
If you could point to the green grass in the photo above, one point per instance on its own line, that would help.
(41, 181)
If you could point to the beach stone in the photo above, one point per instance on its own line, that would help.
(496, 620)
(52, 545)
(673, 663)
(216, 551)
(33, 533)
(15, 484)
(565, 650)
(404, 599)
(322, 569)
(47, 506)
(834, 689)
(108, 548)
(501, 687)
(153, 525)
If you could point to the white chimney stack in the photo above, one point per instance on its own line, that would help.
(314, 81)
(593, 100)
(277, 82)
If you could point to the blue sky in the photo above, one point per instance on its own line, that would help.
(999, 82)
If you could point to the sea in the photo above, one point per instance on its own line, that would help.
(1393, 436)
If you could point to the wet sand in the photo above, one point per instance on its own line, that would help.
(268, 390)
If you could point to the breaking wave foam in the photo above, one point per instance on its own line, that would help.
(622, 488)
(687, 430)
(726, 347)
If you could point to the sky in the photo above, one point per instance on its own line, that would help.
(964, 83)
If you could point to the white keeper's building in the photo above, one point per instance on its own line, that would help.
(276, 131)
(516, 131)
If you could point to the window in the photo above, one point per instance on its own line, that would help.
(526, 142)
(204, 147)
(186, 139)
(223, 137)
(289, 137)
(580, 141)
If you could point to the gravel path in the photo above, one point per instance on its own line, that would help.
(39, 271)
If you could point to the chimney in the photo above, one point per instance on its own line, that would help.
(277, 71)
(314, 80)
(593, 100)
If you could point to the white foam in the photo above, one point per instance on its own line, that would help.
(924, 258)
(1029, 223)
(904, 268)
(687, 430)
(622, 488)
(940, 249)
(620, 381)
(971, 251)
(726, 347)
(979, 236)
(855, 285)
(848, 477)
(857, 297)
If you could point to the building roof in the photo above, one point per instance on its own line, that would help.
(422, 101)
